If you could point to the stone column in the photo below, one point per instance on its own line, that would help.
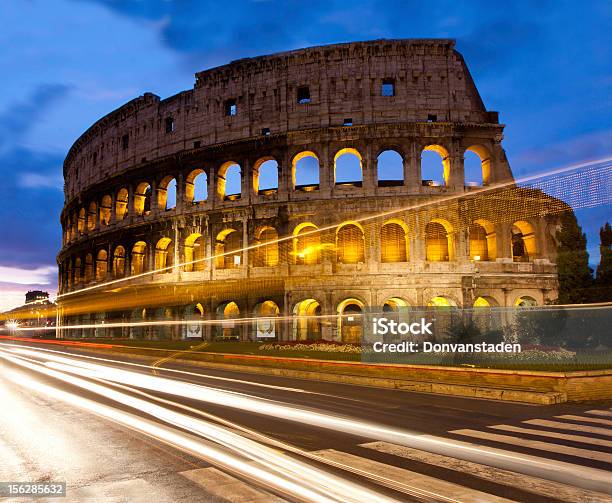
(130, 208)
(180, 192)
(412, 168)
(456, 179)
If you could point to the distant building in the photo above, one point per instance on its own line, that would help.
(37, 313)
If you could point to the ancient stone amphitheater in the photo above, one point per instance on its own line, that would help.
(292, 185)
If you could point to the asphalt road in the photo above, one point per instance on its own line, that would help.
(118, 431)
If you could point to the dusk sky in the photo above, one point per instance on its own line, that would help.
(544, 65)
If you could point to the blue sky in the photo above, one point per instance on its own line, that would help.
(544, 65)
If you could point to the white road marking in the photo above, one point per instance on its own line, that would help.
(527, 483)
(229, 488)
(440, 489)
(554, 434)
(586, 419)
(536, 444)
(599, 412)
(569, 426)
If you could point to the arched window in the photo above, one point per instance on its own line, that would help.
(119, 262)
(138, 263)
(228, 249)
(142, 199)
(347, 167)
(394, 304)
(166, 194)
(101, 265)
(195, 252)
(394, 242)
(105, 210)
(265, 176)
(305, 171)
(483, 241)
(164, 255)
(75, 226)
(435, 166)
(523, 242)
(81, 224)
(196, 186)
(92, 214)
(525, 301)
(350, 244)
(267, 255)
(307, 244)
(121, 204)
(229, 181)
(440, 302)
(307, 324)
(477, 166)
(390, 167)
(88, 276)
(265, 324)
(438, 245)
(350, 324)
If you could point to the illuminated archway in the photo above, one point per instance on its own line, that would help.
(228, 253)
(101, 265)
(523, 242)
(435, 165)
(142, 199)
(229, 181)
(105, 210)
(482, 241)
(77, 271)
(393, 304)
(121, 204)
(196, 187)
(137, 259)
(266, 328)
(439, 246)
(81, 221)
(477, 166)
(306, 244)
(307, 324)
(265, 176)
(350, 320)
(92, 215)
(525, 301)
(394, 241)
(119, 262)
(164, 255)
(350, 243)
(166, 194)
(226, 312)
(348, 167)
(88, 276)
(266, 255)
(195, 251)
(305, 171)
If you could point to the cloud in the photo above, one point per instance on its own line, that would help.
(43, 275)
(37, 181)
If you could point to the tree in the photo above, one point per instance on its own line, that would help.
(575, 275)
(603, 278)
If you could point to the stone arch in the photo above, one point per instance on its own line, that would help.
(307, 321)
(264, 326)
(77, 271)
(121, 204)
(195, 252)
(485, 301)
(89, 272)
(228, 311)
(350, 243)
(265, 175)
(482, 241)
(138, 263)
(164, 255)
(350, 325)
(195, 313)
(106, 205)
(228, 249)
(306, 244)
(435, 167)
(439, 246)
(350, 164)
(524, 246)
(119, 262)
(393, 304)
(478, 169)
(525, 301)
(166, 193)
(394, 245)
(81, 221)
(196, 186)
(142, 199)
(441, 301)
(92, 216)
(390, 168)
(101, 265)
(266, 255)
(229, 180)
(305, 171)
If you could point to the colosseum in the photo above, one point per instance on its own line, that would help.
(295, 186)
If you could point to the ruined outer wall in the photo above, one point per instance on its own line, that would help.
(430, 77)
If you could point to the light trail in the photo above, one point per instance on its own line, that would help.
(606, 162)
(584, 477)
(268, 467)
